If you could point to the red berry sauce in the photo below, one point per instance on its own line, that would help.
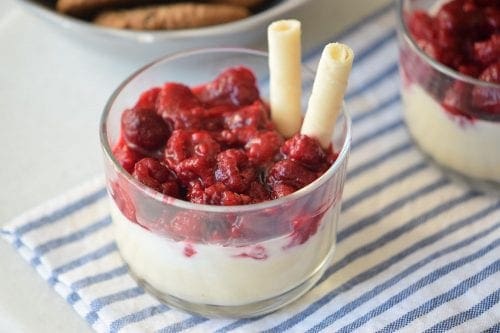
(189, 250)
(215, 144)
(257, 252)
(465, 36)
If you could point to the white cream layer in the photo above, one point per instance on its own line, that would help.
(215, 275)
(471, 148)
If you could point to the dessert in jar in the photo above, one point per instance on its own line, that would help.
(450, 72)
(214, 210)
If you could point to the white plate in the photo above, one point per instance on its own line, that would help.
(239, 33)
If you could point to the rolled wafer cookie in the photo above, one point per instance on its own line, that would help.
(170, 17)
(328, 92)
(83, 7)
(285, 79)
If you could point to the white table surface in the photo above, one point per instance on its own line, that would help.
(52, 91)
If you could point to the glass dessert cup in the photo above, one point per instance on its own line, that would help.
(446, 112)
(266, 255)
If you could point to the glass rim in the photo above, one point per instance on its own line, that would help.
(402, 27)
(168, 200)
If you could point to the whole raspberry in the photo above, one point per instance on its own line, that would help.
(236, 86)
(288, 175)
(155, 175)
(305, 150)
(147, 100)
(263, 146)
(126, 156)
(143, 129)
(234, 171)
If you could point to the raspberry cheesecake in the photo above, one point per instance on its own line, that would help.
(212, 207)
(450, 70)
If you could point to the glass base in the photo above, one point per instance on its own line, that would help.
(482, 186)
(241, 311)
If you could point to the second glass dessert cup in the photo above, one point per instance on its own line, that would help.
(265, 255)
(453, 118)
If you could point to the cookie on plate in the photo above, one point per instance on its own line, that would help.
(85, 7)
(171, 16)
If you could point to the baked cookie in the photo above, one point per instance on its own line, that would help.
(85, 7)
(170, 17)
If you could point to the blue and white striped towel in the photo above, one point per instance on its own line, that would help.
(416, 252)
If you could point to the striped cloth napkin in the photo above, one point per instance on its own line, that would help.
(416, 252)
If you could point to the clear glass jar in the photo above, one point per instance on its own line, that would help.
(269, 263)
(451, 116)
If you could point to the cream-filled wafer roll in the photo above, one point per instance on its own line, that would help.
(327, 93)
(285, 80)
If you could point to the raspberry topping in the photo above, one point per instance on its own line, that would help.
(305, 150)
(487, 99)
(153, 174)
(214, 144)
(288, 175)
(123, 201)
(143, 129)
(126, 156)
(465, 36)
(186, 226)
(255, 115)
(263, 146)
(487, 51)
(235, 86)
(147, 100)
(234, 170)
(177, 104)
(303, 228)
(221, 146)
